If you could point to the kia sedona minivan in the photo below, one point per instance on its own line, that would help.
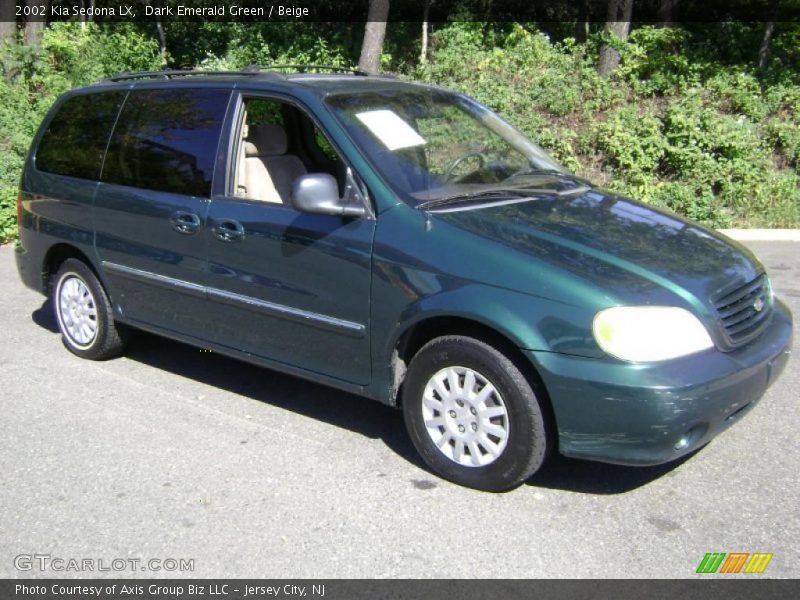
(401, 242)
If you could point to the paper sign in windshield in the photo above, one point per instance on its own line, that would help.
(390, 129)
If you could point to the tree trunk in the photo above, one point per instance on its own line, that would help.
(582, 23)
(618, 24)
(374, 32)
(769, 30)
(666, 12)
(86, 18)
(162, 41)
(423, 53)
(8, 22)
(33, 29)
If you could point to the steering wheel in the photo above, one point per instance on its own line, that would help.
(448, 174)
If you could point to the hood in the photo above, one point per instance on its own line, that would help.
(634, 252)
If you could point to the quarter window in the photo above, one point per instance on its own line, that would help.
(167, 140)
(76, 138)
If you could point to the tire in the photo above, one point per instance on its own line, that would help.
(496, 446)
(83, 313)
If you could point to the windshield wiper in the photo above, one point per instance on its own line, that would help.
(501, 194)
(525, 172)
(486, 194)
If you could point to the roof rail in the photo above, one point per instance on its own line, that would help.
(170, 74)
(248, 71)
(307, 68)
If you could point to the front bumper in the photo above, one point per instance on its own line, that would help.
(625, 413)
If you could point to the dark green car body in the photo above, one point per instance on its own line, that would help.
(347, 301)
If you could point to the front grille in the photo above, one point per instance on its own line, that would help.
(745, 312)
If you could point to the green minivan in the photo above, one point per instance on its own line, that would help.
(401, 242)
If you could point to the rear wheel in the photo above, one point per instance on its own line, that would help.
(83, 313)
(472, 415)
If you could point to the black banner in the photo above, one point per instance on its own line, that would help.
(644, 11)
(355, 589)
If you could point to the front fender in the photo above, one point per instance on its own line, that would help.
(404, 297)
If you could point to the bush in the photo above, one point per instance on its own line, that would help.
(268, 45)
(654, 61)
(784, 136)
(633, 142)
(716, 143)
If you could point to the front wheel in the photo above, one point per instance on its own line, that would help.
(83, 313)
(472, 415)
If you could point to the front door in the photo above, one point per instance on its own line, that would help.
(294, 288)
(288, 286)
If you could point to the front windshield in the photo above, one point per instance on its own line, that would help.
(431, 144)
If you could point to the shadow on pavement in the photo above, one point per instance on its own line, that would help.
(45, 318)
(349, 411)
(344, 410)
(589, 477)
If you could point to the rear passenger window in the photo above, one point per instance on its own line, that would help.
(167, 140)
(76, 138)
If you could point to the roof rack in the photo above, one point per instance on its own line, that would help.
(170, 74)
(248, 71)
(306, 69)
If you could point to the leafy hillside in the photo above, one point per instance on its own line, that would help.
(673, 127)
(684, 123)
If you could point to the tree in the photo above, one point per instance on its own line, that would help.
(162, 41)
(426, 10)
(582, 23)
(35, 25)
(374, 32)
(666, 12)
(769, 30)
(89, 4)
(8, 24)
(618, 24)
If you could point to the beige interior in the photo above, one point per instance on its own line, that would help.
(265, 171)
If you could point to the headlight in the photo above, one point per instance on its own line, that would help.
(649, 333)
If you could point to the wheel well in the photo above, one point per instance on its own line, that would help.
(53, 260)
(421, 333)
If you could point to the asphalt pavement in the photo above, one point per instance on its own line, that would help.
(174, 453)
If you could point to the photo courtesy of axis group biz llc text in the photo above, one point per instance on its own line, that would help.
(392, 298)
(170, 589)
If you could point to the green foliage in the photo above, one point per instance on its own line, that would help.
(547, 90)
(277, 44)
(687, 122)
(632, 141)
(785, 137)
(517, 71)
(654, 61)
(675, 125)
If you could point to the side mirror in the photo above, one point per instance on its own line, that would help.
(319, 193)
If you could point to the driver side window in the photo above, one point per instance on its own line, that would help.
(277, 144)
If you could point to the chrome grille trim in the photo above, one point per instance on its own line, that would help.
(740, 321)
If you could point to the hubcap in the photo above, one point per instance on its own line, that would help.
(465, 416)
(77, 312)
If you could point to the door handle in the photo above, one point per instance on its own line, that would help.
(228, 230)
(184, 222)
